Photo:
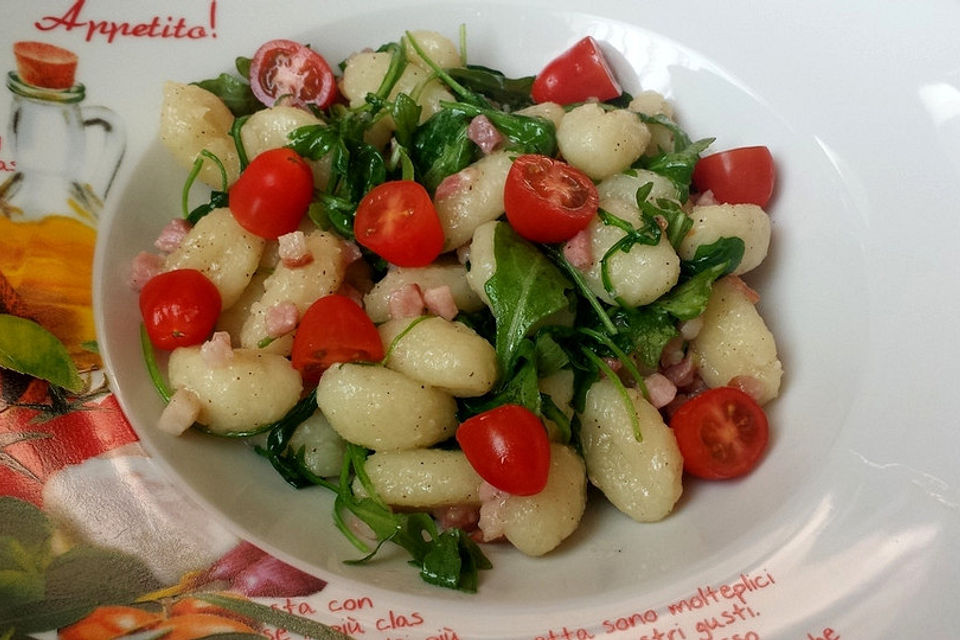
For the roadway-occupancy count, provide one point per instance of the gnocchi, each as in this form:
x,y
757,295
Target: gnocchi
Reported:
x,y
735,341
251,390
384,410
642,478
222,250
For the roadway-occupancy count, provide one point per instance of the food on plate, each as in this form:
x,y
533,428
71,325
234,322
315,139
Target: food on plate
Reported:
x,y
455,298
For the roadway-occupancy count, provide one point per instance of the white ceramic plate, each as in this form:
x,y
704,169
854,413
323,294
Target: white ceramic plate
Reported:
x,y
850,526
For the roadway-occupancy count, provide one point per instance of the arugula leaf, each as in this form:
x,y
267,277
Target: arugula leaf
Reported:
x,y
680,138
441,147
406,117
727,251
524,134
678,165
508,92
447,559
235,93
276,450
678,222
644,331
525,290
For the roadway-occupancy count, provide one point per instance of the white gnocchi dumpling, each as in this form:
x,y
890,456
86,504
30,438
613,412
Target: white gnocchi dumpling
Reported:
x,y
601,143
193,119
471,197
301,285
439,274
748,222
446,355
652,103
436,46
383,409
640,478
322,448
539,523
222,250
547,110
483,259
638,276
559,386
735,341
624,186
365,71
270,129
251,389
422,478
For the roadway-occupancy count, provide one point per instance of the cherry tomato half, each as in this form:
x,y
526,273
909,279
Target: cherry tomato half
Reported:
x,y
547,200
508,447
738,176
179,308
334,329
721,433
287,69
397,221
578,74
272,194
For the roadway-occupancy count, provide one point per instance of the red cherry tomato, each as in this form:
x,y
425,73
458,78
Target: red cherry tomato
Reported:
x,y
721,433
547,200
508,447
334,329
576,75
272,194
397,221
739,176
289,70
179,308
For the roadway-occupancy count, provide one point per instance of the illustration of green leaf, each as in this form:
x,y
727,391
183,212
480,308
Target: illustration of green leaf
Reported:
x,y
30,349
274,617
77,582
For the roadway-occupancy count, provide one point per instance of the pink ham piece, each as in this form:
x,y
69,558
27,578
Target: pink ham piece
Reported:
x,y
172,235
217,352
180,413
293,250
281,319
682,373
706,199
660,389
440,302
458,516
143,267
349,253
578,250
745,289
749,385
491,522
406,302
484,134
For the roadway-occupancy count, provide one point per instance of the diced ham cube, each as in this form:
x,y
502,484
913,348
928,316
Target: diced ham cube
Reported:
x,y
144,266
172,235
180,413
281,319
440,302
293,250
682,373
749,385
578,250
484,134
350,253
217,352
406,302
744,288
660,389
458,516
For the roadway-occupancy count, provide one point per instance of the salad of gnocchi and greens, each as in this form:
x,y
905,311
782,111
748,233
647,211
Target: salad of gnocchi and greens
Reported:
x,y
455,298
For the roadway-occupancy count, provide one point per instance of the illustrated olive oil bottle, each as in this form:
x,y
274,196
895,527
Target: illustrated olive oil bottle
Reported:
x,y
50,205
